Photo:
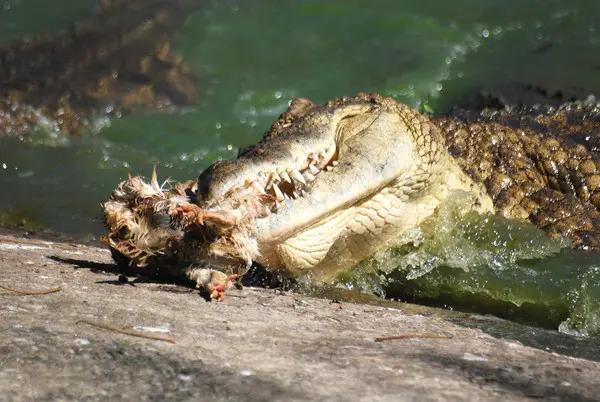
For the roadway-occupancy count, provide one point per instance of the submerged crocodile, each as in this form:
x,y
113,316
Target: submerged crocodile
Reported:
x,y
115,61
330,184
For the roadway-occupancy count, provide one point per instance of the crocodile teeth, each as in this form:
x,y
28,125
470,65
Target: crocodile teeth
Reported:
x,y
309,176
335,163
278,193
329,168
313,169
295,194
274,177
285,176
258,188
323,160
297,176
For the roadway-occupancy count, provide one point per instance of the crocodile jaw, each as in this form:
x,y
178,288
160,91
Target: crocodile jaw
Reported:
x,y
360,186
344,238
344,179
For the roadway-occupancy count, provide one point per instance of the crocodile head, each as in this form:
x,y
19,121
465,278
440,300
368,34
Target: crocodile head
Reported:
x,y
326,186
331,175
308,163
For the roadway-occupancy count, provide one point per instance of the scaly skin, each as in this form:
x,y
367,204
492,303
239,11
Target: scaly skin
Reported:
x,y
378,169
538,164
115,61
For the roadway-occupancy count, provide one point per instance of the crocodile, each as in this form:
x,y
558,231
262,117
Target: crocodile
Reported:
x,y
330,184
115,61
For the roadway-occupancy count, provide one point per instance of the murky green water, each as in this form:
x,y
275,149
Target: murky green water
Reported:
x,y
252,57
488,264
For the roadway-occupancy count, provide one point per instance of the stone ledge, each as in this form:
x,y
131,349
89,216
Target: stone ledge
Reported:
x,y
258,344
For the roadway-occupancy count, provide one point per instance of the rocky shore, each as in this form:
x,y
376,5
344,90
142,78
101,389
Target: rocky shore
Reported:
x,y
72,329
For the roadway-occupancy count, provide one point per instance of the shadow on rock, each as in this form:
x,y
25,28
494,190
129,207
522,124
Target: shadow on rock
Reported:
x,y
123,370
518,380
93,266
256,276
539,338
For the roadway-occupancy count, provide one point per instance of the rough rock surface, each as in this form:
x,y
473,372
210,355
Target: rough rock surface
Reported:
x,y
258,344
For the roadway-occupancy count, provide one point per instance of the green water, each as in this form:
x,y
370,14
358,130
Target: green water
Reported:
x,y
488,264
252,57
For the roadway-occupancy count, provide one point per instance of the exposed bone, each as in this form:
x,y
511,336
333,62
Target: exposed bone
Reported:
x,y
154,180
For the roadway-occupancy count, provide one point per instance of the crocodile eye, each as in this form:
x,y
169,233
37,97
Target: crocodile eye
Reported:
x,y
353,124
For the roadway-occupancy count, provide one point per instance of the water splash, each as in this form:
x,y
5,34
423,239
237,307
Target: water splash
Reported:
x,y
488,264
